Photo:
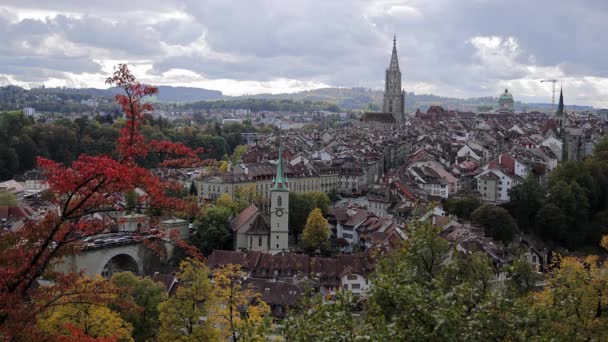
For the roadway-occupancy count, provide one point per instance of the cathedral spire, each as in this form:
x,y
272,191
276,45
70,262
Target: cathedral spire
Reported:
x,y
394,97
394,66
560,106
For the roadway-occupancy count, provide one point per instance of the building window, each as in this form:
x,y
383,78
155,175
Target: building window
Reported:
x,y
352,277
346,286
277,246
260,241
356,286
279,201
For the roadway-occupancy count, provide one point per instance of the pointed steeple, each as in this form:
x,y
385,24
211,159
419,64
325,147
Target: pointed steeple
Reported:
x,y
280,182
394,65
560,106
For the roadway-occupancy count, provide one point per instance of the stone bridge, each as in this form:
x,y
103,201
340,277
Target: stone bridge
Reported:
x,y
106,254
133,257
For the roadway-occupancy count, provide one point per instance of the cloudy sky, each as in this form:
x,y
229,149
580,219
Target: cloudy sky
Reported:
x,y
459,48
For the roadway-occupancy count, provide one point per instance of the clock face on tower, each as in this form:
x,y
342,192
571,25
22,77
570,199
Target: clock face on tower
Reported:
x,y
279,212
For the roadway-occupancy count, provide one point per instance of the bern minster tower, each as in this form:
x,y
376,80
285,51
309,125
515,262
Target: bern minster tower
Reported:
x,y
394,96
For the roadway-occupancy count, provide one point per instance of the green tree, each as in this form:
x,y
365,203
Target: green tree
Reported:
x,y
316,232
344,318
213,230
551,223
321,201
526,199
333,195
26,149
428,292
12,124
9,163
238,153
131,201
462,207
576,172
7,199
573,201
496,221
600,150
524,278
193,190
181,315
147,296
300,207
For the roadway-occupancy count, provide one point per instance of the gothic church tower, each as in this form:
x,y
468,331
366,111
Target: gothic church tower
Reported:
x,y
279,209
394,96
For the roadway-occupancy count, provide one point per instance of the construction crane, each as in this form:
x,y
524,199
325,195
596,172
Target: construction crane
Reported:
x,y
553,93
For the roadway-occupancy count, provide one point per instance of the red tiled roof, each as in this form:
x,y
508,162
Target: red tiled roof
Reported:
x,y
243,216
14,212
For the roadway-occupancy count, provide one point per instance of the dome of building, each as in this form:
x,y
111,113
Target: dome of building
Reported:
x,y
506,96
505,102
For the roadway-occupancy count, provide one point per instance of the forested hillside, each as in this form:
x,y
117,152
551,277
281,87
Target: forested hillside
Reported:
x,y
22,139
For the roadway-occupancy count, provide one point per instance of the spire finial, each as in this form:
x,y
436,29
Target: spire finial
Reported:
x,y
395,41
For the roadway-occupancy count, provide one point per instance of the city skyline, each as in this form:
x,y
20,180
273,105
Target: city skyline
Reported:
x,y
447,48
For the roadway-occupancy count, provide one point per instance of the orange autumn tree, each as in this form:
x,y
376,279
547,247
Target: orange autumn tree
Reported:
x,y
89,185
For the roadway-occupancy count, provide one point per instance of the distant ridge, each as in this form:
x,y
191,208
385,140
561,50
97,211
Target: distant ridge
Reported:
x,y
345,98
361,98
165,93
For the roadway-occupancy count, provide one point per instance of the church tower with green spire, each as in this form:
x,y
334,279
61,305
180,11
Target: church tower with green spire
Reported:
x,y
279,209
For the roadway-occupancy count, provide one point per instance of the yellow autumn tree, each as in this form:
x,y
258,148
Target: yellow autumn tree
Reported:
x,y
574,304
223,166
225,201
90,314
237,309
183,316
94,320
316,233
248,194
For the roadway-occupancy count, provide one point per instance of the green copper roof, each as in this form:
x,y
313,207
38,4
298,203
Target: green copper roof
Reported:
x,y
505,96
280,181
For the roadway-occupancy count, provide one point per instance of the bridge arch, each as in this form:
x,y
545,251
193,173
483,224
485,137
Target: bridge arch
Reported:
x,y
120,261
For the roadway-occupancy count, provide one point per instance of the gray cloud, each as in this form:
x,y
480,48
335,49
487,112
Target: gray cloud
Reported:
x,y
461,48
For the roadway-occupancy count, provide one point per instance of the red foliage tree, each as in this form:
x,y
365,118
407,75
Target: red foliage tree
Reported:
x,y
90,185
